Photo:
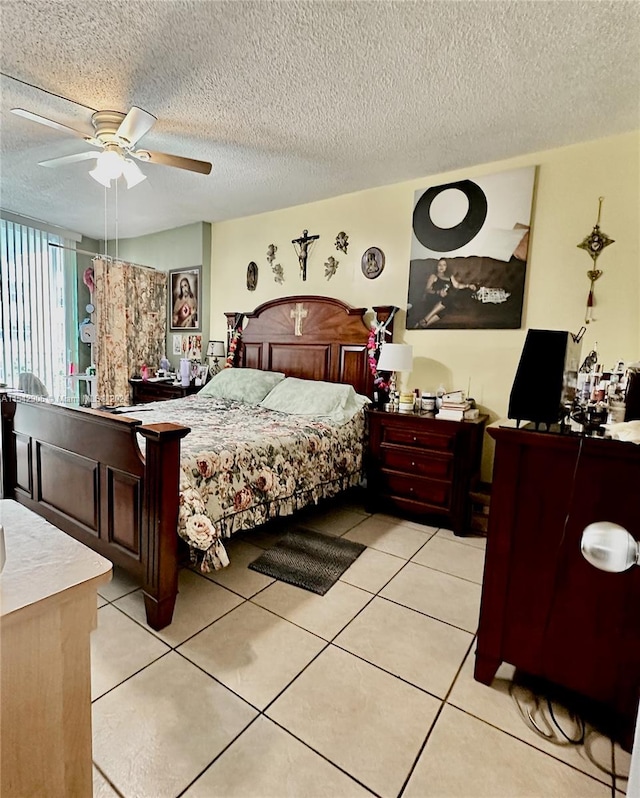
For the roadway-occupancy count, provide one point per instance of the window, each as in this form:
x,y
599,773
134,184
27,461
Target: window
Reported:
x,y
38,307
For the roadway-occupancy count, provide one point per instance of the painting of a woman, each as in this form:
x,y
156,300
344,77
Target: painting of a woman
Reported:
x,y
440,293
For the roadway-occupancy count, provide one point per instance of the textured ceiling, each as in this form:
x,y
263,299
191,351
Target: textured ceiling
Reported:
x,y
298,101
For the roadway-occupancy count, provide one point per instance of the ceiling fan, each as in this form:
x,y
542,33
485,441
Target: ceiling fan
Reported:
x,y
116,135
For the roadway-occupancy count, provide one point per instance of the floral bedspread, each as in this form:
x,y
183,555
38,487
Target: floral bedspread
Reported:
x,y
242,465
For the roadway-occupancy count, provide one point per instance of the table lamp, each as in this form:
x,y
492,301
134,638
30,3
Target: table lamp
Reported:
x,y
394,358
215,351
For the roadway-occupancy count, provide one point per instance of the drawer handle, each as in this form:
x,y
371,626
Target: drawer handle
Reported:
x,y
413,464
414,439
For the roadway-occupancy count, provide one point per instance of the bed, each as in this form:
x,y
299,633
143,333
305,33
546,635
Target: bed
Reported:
x,y
244,464
83,470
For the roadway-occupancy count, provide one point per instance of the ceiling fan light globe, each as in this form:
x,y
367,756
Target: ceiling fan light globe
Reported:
x,y
101,177
132,173
110,163
109,167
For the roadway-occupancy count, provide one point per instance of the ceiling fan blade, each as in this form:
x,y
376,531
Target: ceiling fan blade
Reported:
x,y
203,167
42,120
135,124
80,156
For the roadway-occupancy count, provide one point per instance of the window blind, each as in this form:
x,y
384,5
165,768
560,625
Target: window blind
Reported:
x,y
38,307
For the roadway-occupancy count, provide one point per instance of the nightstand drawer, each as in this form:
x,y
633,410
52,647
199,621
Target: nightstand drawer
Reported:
x,y
423,466
430,491
416,463
145,391
415,436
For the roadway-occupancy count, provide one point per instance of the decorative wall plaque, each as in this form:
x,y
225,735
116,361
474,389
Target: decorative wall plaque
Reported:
x,y
252,276
372,263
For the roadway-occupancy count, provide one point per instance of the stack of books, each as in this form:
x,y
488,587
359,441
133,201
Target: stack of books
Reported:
x,y
456,408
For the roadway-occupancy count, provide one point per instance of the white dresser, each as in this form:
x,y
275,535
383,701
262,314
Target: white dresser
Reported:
x,y
48,605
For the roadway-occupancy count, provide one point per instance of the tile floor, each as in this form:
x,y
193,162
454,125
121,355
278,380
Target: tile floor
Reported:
x,y
261,689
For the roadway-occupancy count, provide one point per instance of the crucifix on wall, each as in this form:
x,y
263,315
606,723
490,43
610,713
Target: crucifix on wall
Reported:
x,y
301,246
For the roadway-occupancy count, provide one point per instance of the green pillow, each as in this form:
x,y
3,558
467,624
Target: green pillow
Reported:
x,y
315,398
243,385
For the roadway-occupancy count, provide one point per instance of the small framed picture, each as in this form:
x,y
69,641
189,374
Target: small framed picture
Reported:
x,y
372,263
192,347
177,344
184,299
201,374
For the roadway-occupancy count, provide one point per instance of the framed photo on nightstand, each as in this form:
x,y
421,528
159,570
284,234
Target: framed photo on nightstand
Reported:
x,y
201,375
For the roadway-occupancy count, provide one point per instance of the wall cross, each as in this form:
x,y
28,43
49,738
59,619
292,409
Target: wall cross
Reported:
x,y
301,246
298,314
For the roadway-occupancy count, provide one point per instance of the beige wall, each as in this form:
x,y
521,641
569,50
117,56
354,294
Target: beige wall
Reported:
x,y
568,183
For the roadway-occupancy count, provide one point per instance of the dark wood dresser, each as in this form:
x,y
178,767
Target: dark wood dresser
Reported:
x,y
424,466
545,609
144,391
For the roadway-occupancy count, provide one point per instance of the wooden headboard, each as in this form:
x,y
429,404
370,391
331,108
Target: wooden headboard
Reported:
x,y
311,337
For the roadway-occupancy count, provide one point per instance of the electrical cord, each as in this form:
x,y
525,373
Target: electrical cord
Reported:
x,y
611,771
538,715
536,718
579,740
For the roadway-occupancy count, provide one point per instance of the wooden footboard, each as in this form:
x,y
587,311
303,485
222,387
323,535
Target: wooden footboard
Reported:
x,y
83,471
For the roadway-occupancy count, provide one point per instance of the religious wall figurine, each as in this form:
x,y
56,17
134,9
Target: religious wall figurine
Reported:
x,y
271,254
252,276
594,243
301,246
299,314
342,242
278,273
330,267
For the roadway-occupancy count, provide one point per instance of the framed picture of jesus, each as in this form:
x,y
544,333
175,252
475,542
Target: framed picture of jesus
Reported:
x,y
184,299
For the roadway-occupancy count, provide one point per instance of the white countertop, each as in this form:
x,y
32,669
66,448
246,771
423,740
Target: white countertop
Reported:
x,y
42,561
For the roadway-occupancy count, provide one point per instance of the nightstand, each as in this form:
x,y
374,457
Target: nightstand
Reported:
x,y
145,391
423,466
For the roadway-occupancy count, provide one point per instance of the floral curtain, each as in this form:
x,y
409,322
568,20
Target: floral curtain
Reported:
x,y
131,324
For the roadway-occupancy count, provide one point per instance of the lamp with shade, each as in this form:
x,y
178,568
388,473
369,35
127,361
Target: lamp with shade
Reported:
x,y
215,351
394,358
